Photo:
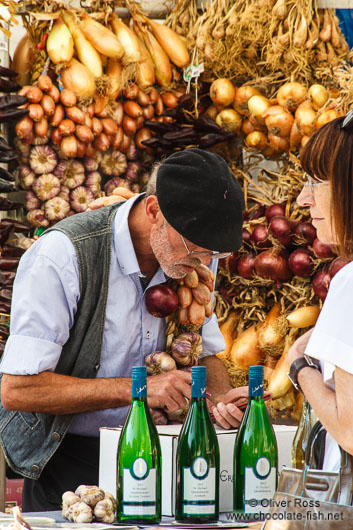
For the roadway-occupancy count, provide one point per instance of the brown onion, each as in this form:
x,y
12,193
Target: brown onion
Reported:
x,y
84,133
131,91
41,127
271,264
117,138
68,146
281,229
125,144
143,98
246,265
81,148
256,139
305,233
318,95
24,127
154,95
56,137
336,265
141,135
132,109
325,117
159,107
305,117
129,125
278,121
48,105
290,95
75,114
97,126
274,210
278,143
259,237
35,111
90,150
101,142
58,116
257,106
320,283
67,127
34,94
321,250
68,98
242,96
247,127
109,126
169,99
54,93
300,263
222,92
161,300
45,83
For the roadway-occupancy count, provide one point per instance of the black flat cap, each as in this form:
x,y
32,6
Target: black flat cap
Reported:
x,y
201,199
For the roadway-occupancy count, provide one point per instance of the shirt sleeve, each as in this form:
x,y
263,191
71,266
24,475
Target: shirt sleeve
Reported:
x,y
44,303
332,338
212,339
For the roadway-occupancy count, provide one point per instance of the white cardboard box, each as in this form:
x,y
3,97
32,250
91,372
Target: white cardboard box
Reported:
x,y
168,435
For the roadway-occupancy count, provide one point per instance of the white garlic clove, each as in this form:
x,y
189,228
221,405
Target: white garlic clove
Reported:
x,y
110,496
80,512
90,494
69,498
104,511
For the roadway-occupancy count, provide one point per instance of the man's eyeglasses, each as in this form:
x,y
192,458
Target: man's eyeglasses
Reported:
x,y
313,183
202,253
348,120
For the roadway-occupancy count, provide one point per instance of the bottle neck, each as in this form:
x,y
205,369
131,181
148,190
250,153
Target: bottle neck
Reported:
x,y
256,387
139,389
198,388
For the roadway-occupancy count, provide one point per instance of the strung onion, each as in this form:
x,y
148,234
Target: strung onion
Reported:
x,y
222,92
60,45
278,121
104,40
242,96
68,146
290,95
79,79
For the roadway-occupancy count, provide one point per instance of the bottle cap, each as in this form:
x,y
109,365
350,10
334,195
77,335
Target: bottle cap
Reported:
x,y
256,371
256,381
139,371
139,382
198,372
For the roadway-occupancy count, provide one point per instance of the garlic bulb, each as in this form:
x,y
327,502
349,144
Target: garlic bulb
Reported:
x,y
159,362
90,494
110,496
93,182
104,511
64,193
80,198
31,201
60,169
80,512
27,177
69,498
46,186
37,218
90,163
187,348
56,209
42,159
74,174
113,163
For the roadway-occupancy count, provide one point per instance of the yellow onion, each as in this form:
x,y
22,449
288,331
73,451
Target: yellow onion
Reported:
x,y
79,79
242,96
257,106
104,40
229,119
279,144
279,383
247,127
114,74
325,117
305,117
318,96
222,92
256,139
246,350
228,330
146,76
86,53
294,137
278,121
272,331
171,43
22,61
303,317
127,39
162,66
60,44
290,95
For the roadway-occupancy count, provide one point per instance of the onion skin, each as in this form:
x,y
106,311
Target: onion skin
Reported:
x,y
222,92
245,350
259,237
290,95
304,233
321,250
246,265
281,230
242,96
274,210
278,121
161,301
321,282
270,264
336,265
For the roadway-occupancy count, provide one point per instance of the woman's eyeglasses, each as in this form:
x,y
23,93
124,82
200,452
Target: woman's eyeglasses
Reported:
x,y
202,253
313,183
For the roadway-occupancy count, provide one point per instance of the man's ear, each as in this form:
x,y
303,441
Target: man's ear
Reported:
x,y
152,209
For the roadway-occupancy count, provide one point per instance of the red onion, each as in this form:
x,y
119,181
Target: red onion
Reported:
x,y
259,237
246,265
305,233
321,282
270,264
161,300
280,228
231,262
336,265
321,250
274,210
300,263
246,236
258,212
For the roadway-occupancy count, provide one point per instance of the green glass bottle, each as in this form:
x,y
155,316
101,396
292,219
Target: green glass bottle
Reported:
x,y
139,459
307,420
197,497
255,452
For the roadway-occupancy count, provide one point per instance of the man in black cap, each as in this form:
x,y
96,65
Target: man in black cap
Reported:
x,y
79,321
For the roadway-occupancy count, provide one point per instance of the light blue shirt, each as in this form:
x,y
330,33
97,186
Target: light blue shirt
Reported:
x,y
45,296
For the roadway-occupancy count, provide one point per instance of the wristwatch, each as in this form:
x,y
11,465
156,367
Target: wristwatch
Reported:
x,y
299,364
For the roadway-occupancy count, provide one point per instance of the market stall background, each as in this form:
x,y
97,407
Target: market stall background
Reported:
x,y
263,77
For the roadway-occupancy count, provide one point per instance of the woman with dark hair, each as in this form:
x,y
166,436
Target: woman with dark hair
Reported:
x,y
327,160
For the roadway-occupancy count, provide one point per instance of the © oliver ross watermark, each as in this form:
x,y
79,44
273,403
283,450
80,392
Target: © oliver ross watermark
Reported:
x,y
291,510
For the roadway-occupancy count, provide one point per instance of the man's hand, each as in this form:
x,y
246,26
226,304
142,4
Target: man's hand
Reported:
x,y
168,391
298,348
226,413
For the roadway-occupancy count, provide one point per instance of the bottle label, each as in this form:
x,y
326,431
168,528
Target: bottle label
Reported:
x,y
199,485
139,486
260,486
139,388
198,388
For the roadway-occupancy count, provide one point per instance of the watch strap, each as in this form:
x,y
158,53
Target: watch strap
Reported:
x,y
299,364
